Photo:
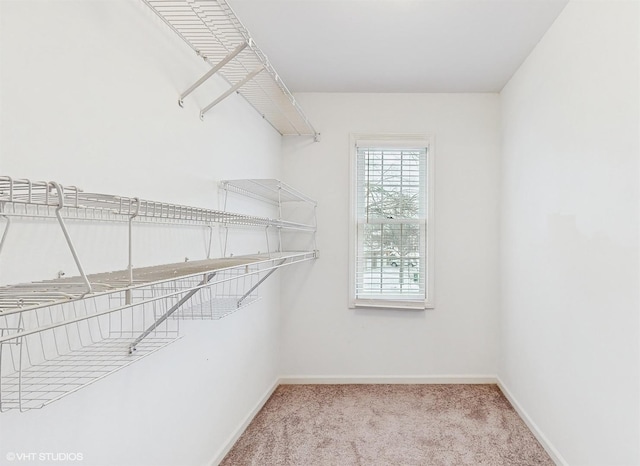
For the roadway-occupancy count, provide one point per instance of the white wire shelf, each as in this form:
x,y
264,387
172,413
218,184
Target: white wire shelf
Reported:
x,y
280,195
214,32
50,352
57,336
52,379
267,190
53,348
26,296
26,198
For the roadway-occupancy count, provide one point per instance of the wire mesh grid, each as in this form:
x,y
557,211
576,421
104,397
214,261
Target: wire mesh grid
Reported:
x,y
57,336
49,352
41,199
59,349
213,30
209,296
237,289
267,190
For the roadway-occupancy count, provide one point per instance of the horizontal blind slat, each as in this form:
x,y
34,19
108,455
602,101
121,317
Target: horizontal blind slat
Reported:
x,y
391,216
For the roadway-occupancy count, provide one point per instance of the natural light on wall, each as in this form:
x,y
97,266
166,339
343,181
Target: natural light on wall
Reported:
x,y
391,237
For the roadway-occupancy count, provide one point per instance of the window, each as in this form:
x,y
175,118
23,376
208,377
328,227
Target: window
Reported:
x,y
391,240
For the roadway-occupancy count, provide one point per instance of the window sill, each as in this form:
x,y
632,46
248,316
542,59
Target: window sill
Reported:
x,y
391,304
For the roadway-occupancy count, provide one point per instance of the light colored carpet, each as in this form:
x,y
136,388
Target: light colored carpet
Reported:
x,y
407,425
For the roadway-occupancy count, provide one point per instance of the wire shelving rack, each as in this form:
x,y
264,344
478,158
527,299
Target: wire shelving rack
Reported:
x,y
214,32
279,194
57,336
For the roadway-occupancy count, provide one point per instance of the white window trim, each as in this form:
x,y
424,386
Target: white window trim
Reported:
x,y
382,140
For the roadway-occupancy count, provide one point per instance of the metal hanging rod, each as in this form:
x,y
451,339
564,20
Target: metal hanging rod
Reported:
x,y
214,32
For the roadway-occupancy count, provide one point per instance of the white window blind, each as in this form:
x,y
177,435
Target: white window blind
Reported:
x,y
391,263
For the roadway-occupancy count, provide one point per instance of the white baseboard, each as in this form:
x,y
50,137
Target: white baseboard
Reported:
x,y
217,459
544,441
389,379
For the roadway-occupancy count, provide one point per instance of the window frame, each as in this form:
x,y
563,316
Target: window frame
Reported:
x,y
392,140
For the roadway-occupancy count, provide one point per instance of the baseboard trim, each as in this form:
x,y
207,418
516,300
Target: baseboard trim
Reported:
x,y
389,379
217,459
544,441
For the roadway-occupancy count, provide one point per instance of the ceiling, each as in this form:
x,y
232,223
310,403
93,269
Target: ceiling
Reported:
x,y
397,45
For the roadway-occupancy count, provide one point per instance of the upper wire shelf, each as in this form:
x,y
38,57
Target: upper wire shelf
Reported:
x,y
268,190
278,194
21,197
214,32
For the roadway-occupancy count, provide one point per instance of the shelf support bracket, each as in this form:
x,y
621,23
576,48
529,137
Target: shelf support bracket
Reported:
x,y
233,89
174,308
266,234
67,237
244,296
210,228
6,230
212,71
128,297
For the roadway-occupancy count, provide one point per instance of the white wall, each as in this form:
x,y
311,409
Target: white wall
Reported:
x,y
321,336
569,234
88,95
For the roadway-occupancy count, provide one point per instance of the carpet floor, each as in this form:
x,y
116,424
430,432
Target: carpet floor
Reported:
x,y
407,425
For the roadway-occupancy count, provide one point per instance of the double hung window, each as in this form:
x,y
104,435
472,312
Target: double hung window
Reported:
x,y
392,222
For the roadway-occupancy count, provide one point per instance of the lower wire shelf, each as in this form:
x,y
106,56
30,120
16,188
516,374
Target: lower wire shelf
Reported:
x,y
52,348
44,383
50,352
